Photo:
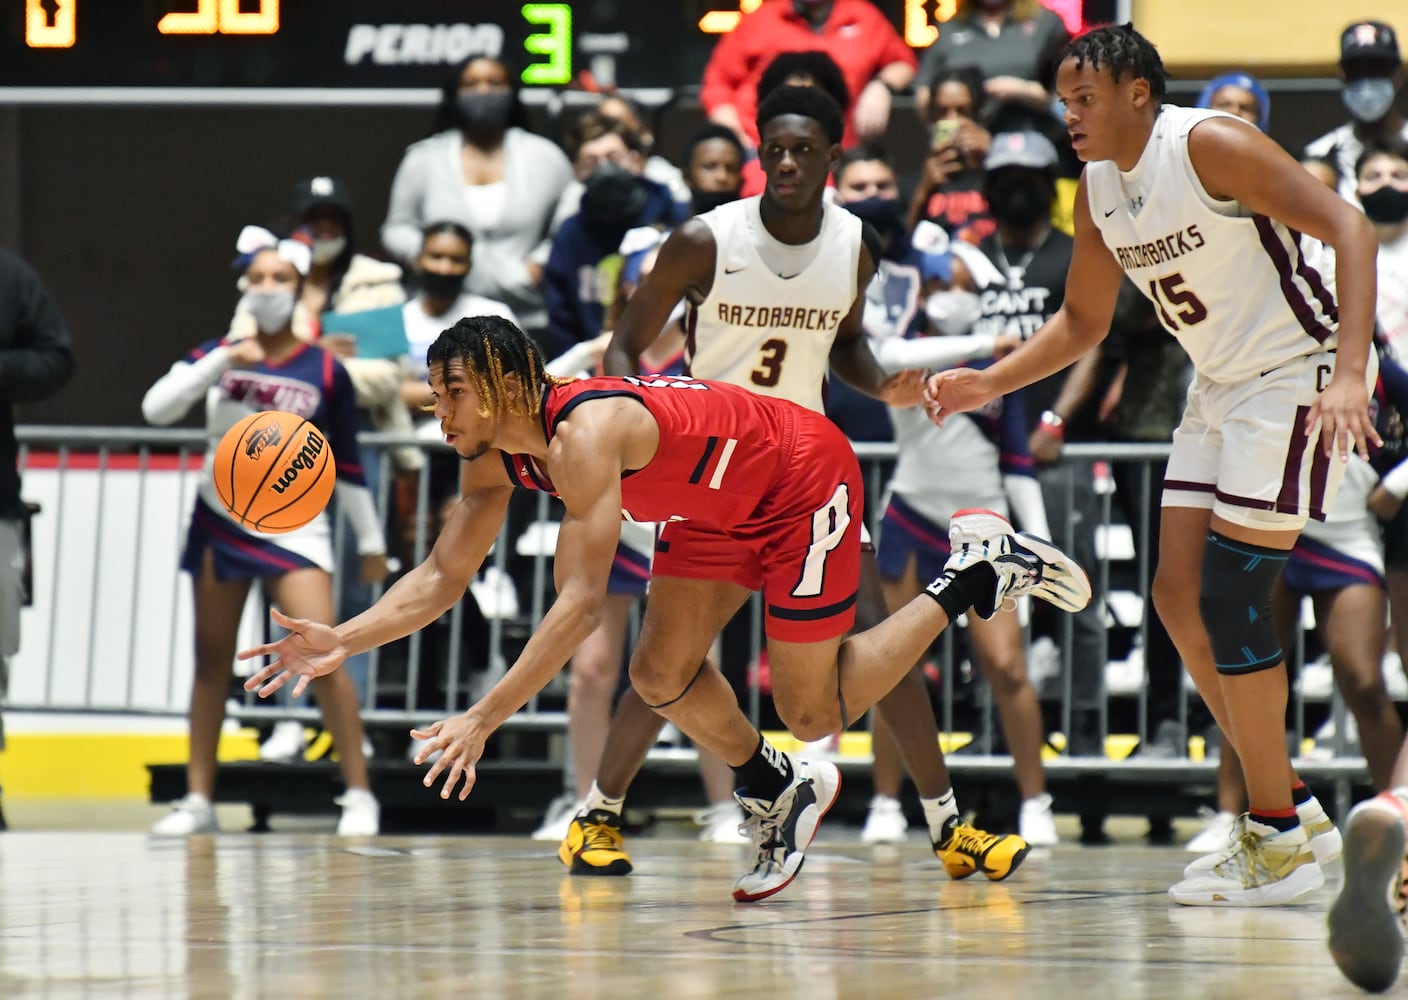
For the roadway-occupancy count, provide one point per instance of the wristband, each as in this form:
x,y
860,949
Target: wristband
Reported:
x,y
1053,423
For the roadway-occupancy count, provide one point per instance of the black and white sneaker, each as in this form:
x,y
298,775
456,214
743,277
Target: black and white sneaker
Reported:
x,y
783,828
1024,563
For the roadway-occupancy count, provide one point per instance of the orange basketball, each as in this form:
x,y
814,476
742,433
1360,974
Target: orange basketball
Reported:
x,y
274,472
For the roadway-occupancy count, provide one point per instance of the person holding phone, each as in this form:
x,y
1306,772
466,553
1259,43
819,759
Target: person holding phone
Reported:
x,y
950,190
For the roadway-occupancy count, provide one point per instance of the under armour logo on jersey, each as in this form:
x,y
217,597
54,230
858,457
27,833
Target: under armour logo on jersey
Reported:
x,y
1136,203
321,186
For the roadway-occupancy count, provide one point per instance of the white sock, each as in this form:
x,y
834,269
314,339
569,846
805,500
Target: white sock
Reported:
x,y
938,812
596,799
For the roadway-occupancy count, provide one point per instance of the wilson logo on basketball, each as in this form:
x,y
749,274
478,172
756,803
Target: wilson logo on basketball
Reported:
x,y
264,437
305,459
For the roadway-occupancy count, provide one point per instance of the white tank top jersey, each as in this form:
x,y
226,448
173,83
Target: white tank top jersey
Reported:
x,y
765,331
1242,293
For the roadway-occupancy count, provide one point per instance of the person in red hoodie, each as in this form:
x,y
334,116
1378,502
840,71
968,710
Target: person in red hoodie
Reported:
x,y
873,58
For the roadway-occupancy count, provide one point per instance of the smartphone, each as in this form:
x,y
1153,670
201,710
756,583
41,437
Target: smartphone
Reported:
x,y
945,130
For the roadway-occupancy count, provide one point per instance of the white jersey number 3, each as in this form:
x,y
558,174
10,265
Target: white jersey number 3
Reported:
x,y
829,526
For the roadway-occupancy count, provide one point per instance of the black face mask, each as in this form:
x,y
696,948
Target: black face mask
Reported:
x,y
706,201
1387,205
485,111
437,285
612,200
1021,203
886,215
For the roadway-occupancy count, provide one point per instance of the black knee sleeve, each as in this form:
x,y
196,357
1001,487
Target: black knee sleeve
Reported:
x,y
1235,601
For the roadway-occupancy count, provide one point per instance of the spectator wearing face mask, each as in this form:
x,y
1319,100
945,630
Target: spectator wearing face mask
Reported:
x,y
1381,185
485,171
586,256
617,108
1372,69
1239,94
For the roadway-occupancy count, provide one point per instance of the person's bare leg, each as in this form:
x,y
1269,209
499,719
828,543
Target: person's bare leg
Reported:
x,y
905,724
1350,621
998,645
218,607
595,670
672,676
1177,580
1231,789
307,593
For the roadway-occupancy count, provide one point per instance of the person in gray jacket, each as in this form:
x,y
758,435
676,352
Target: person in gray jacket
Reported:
x,y
483,170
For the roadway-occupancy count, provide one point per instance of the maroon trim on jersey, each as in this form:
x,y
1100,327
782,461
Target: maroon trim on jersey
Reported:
x,y
1252,503
812,614
1315,281
1304,312
1319,479
1288,500
1189,487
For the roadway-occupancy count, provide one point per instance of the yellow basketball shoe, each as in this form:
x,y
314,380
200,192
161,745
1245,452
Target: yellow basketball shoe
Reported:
x,y
594,845
1366,921
967,850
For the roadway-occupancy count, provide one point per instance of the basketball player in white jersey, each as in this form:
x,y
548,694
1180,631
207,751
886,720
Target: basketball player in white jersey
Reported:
x,y
775,291
1224,232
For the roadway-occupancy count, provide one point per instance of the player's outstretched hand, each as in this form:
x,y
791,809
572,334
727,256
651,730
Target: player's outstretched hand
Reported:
x,y
1342,410
460,742
957,390
309,650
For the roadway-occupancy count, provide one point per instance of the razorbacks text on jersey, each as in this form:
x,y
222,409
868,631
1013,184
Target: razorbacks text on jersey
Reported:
x,y
768,332
1242,292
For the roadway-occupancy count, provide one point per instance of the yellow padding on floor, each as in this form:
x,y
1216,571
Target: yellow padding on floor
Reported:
x,y
99,765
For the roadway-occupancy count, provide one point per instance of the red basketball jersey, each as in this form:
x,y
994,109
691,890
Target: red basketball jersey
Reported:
x,y
723,449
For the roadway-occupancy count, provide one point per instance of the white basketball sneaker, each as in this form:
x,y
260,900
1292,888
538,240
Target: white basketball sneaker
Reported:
x,y
1266,868
188,816
1024,563
783,828
1325,840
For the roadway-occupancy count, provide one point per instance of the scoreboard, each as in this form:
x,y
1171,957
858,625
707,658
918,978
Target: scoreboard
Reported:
x,y
377,43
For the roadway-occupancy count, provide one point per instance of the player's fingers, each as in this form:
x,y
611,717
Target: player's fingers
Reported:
x,y
253,651
258,677
451,780
436,766
469,778
285,620
428,733
274,684
302,685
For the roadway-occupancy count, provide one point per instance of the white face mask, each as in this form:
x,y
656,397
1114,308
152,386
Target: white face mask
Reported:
x,y
1369,99
327,251
953,312
271,310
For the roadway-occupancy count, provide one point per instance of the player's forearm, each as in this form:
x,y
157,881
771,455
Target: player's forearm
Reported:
x,y
571,619
853,360
1058,343
1356,287
411,603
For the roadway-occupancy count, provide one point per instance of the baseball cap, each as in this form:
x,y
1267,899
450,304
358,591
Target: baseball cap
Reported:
x,y
1021,149
1369,40
311,192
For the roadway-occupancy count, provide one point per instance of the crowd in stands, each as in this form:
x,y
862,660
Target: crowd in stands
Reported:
x,y
554,232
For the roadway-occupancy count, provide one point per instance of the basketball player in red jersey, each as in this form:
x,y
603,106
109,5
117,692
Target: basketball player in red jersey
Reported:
x,y
775,293
670,449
